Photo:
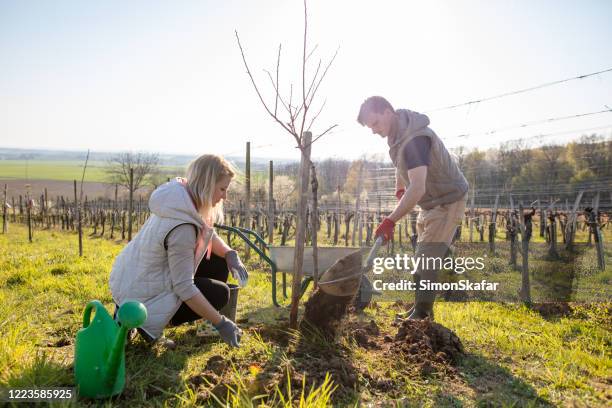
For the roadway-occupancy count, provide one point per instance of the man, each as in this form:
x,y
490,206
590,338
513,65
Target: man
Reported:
x,y
426,175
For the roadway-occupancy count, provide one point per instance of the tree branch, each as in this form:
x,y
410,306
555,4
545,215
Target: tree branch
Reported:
x,y
259,94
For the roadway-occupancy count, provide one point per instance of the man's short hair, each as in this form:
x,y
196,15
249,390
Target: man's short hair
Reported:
x,y
376,104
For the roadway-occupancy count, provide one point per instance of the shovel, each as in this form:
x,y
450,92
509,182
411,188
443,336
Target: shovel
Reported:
x,y
343,278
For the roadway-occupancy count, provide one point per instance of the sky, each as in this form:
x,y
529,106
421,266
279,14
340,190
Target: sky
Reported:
x,y
168,77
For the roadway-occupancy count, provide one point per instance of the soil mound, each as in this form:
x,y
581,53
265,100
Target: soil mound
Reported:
x,y
429,344
324,312
552,309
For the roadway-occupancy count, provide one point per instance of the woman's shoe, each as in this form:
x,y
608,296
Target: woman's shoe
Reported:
x,y
206,329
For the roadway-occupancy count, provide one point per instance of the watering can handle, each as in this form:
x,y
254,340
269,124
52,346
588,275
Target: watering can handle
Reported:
x,y
87,313
377,244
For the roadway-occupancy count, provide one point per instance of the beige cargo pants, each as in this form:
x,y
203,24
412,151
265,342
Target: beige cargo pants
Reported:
x,y
436,229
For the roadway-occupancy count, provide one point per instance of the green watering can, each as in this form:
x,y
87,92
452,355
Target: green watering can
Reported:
x,y
99,358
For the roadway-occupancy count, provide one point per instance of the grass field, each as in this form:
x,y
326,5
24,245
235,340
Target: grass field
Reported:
x,y
68,170
51,170
514,355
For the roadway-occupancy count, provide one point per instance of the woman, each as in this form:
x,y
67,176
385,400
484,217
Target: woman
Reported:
x,y
177,265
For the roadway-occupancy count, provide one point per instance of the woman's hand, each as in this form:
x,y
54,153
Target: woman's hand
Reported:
x,y
236,267
229,332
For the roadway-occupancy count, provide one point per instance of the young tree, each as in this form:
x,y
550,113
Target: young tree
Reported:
x,y
297,119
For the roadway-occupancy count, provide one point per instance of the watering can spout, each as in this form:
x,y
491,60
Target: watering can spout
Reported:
x,y
131,315
99,360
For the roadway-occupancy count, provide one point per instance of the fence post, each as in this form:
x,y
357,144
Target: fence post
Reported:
x,y
525,229
271,215
493,226
314,215
298,258
570,227
247,176
131,205
594,227
4,212
472,215
512,230
77,209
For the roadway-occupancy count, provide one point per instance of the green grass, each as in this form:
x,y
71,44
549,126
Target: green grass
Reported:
x,y
51,170
515,357
62,170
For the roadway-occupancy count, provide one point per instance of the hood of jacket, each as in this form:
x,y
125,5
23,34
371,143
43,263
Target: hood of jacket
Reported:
x,y
409,124
172,200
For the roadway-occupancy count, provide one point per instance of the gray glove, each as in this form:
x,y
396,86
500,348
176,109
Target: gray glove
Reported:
x,y
237,268
229,332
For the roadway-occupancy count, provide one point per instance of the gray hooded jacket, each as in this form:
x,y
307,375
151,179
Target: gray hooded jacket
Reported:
x,y
142,270
445,182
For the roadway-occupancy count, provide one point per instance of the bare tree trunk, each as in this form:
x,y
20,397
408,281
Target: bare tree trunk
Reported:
x,y
298,258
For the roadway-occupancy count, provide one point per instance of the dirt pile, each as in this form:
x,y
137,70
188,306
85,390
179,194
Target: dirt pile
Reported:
x,y
324,312
552,309
326,308
361,335
428,344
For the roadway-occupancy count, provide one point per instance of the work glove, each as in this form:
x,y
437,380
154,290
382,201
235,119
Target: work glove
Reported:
x,y
236,267
400,193
385,230
229,332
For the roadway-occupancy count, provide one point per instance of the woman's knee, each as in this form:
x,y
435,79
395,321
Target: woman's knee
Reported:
x,y
219,294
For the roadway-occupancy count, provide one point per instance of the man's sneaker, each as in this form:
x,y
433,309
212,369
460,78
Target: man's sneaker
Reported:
x,y
206,329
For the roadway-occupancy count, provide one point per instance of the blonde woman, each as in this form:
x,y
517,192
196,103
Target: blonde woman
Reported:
x,y
177,266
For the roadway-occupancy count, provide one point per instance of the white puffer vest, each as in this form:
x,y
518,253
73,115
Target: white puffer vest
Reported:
x,y
141,271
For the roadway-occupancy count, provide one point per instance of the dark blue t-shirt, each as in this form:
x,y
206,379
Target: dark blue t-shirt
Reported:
x,y
416,152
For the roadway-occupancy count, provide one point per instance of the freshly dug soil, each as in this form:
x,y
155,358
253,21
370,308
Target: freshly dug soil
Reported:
x,y
552,309
324,312
427,343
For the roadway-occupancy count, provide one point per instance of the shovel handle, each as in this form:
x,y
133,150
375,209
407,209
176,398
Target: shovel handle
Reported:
x,y
377,244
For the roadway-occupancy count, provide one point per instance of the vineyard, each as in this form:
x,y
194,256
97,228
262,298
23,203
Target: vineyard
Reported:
x,y
543,339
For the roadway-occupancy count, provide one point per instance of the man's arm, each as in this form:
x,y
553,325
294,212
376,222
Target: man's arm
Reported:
x,y
399,183
413,194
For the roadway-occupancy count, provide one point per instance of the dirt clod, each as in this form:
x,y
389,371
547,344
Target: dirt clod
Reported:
x,y
216,364
372,328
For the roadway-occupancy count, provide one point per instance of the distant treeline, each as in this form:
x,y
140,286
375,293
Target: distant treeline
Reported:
x,y
547,170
